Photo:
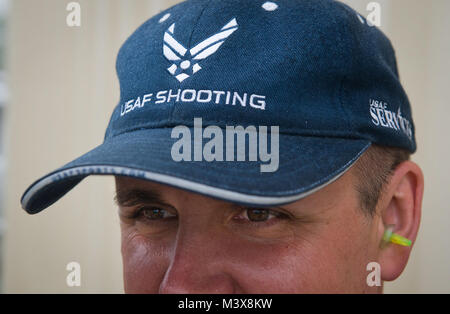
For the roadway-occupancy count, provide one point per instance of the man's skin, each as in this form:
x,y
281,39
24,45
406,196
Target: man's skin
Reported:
x,y
320,244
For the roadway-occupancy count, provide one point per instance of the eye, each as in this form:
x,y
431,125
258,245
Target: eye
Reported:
x,y
260,214
257,215
155,213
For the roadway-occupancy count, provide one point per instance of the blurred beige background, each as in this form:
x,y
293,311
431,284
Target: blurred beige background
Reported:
x,y
63,88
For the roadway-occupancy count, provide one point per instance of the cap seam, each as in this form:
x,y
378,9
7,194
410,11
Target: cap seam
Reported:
x,y
174,104
342,89
331,133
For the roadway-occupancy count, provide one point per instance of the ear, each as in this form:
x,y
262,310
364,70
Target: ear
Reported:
x,y
401,205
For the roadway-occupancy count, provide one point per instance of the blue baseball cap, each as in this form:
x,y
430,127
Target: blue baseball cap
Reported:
x,y
316,70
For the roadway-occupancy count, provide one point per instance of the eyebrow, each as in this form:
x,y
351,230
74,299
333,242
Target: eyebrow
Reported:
x,y
135,196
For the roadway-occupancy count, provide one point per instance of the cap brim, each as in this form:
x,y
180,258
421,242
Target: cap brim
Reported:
x,y
306,164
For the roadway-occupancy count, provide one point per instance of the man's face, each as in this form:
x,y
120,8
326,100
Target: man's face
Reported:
x,y
175,241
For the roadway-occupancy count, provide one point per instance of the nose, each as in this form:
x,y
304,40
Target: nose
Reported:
x,y
198,266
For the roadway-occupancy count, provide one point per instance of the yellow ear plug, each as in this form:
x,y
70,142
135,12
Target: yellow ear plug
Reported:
x,y
390,237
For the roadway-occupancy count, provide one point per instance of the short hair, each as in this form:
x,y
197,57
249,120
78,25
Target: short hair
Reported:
x,y
373,171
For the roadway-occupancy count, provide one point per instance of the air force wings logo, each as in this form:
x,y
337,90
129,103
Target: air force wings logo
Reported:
x,y
186,63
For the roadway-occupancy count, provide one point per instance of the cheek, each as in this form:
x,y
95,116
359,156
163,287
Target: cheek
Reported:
x,y
270,268
338,268
295,267
339,258
331,261
144,263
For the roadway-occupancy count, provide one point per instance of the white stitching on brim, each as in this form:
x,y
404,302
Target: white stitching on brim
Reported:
x,y
180,183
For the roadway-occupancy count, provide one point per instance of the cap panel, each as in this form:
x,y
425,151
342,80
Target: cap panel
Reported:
x,y
281,67
142,68
372,94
